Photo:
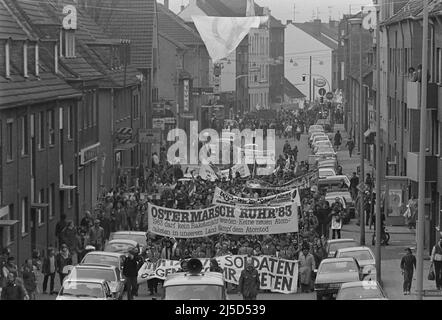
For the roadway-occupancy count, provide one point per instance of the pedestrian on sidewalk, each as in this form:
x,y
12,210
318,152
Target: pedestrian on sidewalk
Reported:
x,y
130,271
354,182
337,140
63,259
436,260
336,224
48,269
408,263
29,279
306,267
350,145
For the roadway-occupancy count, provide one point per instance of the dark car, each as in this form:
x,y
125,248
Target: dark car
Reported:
x,y
332,273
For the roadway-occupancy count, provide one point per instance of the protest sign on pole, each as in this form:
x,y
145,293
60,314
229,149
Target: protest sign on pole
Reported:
x,y
222,197
228,219
276,275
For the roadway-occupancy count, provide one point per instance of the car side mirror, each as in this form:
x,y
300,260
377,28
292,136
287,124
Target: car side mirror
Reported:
x,y
67,269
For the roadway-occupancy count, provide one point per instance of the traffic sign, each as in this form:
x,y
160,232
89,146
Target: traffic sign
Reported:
x,y
329,95
320,82
322,92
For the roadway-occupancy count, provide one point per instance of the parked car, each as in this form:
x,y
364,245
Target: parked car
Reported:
x,y
361,290
315,134
332,273
325,123
322,144
315,128
334,183
328,163
121,245
85,289
318,138
326,172
365,258
333,245
99,271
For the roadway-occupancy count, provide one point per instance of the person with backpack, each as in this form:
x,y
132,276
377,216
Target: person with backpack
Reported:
x,y
436,261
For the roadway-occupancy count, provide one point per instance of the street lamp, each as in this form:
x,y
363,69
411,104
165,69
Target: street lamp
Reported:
x,y
358,21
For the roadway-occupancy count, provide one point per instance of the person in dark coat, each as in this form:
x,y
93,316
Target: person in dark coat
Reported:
x,y
59,227
29,279
63,259
13,291
249,281
408,263
337,140
130,272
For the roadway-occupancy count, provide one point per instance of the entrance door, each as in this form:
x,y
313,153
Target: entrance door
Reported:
x,y
33,228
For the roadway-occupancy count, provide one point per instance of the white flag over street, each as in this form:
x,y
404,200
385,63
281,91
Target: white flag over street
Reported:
x,y
369,21
222,35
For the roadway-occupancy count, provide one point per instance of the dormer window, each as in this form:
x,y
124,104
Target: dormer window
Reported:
x,y
67,43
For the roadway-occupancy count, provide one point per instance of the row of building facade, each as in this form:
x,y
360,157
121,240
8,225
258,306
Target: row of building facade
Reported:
x,y
400,46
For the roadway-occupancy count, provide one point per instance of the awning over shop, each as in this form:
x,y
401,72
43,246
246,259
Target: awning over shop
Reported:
x,y
126,146
8,223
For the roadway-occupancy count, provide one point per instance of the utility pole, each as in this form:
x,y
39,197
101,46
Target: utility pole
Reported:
x,y
361,139
421,161
310,79
378,148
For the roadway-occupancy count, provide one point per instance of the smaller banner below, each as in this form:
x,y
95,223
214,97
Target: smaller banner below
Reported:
x,y
276,275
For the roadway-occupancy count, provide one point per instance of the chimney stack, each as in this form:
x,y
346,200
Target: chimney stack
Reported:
x,y
166,4
317,27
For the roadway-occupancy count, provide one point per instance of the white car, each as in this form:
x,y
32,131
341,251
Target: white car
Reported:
x,y
315,127
325,150
315,134
361,290
365,258
137,236
322,144
85,289
326,172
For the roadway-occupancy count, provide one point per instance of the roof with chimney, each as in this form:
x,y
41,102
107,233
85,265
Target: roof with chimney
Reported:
x,y
18,90
133,20
323,32
413,10
291,91
176,28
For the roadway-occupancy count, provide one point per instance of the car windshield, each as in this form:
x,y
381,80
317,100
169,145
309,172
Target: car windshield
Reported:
x,y
82,289
326,173
194,292
339,245
141,239
321,138
92,273
357,254
101,259
118,247
362,292
338,267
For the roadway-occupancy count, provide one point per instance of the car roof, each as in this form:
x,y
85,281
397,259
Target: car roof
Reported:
x,y
333,260
355,284
361,248
106,253
182,278
139,233
94,266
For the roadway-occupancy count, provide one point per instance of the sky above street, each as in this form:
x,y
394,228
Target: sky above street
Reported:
x,y
305,10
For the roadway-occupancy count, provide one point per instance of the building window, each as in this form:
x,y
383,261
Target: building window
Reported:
x,y
51,200
51,125
41,199
71,192
9,139
67,39
24,135
70,123
41,131
24,216
11,229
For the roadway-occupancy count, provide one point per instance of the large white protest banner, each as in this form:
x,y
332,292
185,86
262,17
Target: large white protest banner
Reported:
x,y
222,197
229,219
276,275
